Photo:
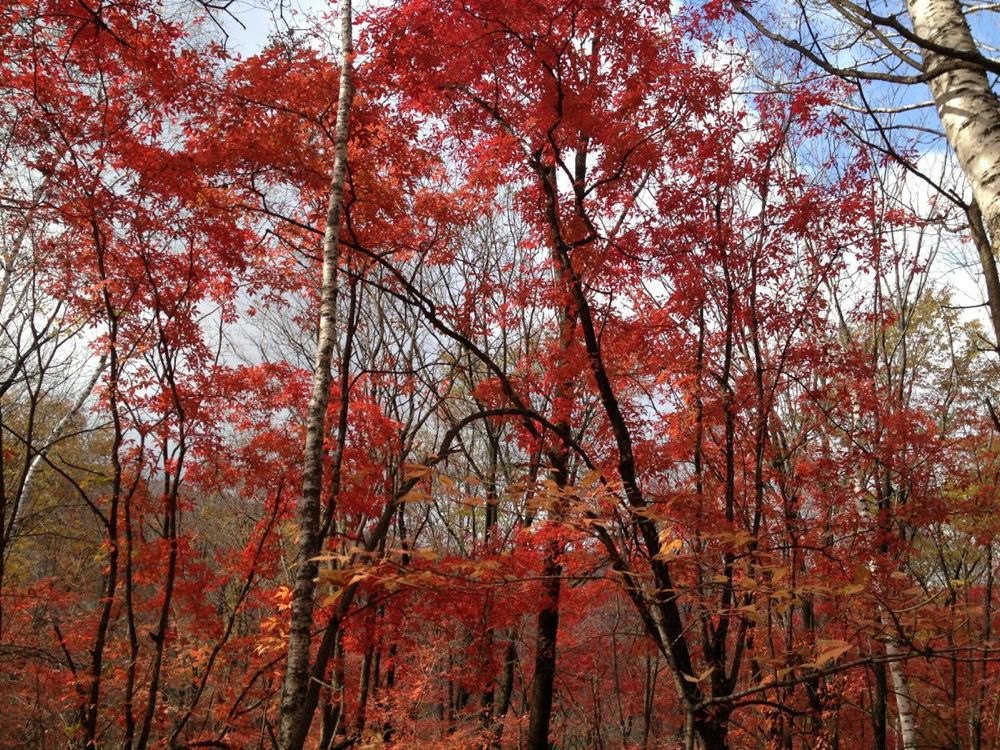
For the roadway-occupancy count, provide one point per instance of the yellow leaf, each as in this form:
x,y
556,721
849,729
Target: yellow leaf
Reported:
x,y
333,576
831,651
672,547
415,471
416,495
700,678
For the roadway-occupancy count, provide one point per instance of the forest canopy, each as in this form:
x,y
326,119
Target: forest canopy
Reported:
x,y
499,373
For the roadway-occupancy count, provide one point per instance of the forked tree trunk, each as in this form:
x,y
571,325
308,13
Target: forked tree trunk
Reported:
x,y
310,542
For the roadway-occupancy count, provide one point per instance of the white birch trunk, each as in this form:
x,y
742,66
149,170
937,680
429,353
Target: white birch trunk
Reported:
x,y
296,680
970,115
904,703
969,110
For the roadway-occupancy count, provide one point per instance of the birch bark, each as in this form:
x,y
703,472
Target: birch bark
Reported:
x,y
904,703
967,105
970,115
310,541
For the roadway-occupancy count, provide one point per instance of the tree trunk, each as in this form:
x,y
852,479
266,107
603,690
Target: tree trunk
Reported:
x,y
879,708
297,668
334,721
502,703
904,704
543,683
969,110
363,691
713,729
988,262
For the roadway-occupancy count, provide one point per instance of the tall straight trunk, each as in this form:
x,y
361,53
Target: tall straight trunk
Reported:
x,y
547,630
310,541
